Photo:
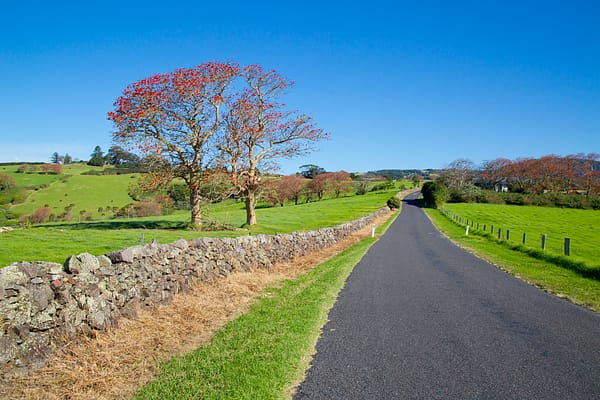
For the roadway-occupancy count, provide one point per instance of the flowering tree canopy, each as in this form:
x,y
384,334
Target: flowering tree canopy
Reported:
x,y
198,122
173,116
258,130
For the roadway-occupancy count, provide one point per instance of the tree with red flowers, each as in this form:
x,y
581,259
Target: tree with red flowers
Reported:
x,y
495,172
589,177
339,182
319,185
172,118
259,130
293,186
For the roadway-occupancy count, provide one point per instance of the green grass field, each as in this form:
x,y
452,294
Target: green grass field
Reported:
x,y
30,180
553,278
581,226
55,242
87,193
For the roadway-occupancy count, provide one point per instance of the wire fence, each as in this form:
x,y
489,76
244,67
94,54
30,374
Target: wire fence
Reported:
x,y
504,234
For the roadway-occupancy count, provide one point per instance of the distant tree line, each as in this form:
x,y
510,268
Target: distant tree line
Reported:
x,y
116,156
52,169
579,173
59,159
564,181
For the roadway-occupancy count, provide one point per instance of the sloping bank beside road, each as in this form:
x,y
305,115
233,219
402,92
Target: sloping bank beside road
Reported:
x,y
41,302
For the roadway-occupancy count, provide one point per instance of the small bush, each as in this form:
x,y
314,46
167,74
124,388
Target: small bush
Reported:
x,y
468,194
362,188
180,194
147,209
434,193
41,215
7,182
393,202
387,185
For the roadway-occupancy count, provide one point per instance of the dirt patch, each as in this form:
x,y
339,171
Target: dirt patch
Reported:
x,y
113,364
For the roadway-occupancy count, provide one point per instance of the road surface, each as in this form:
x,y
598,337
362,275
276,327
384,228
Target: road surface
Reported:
x,y
420,318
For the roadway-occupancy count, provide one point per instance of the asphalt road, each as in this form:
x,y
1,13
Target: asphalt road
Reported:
x,y
420,318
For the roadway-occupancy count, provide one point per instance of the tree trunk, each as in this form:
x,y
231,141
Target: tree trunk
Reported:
x,y
195,207
250,210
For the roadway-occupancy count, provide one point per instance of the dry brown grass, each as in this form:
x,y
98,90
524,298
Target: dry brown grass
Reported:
x,y
113,364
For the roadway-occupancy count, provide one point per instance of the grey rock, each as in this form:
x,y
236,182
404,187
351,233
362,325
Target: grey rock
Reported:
x,y
104,262
8,350
83,263
124,255
41,296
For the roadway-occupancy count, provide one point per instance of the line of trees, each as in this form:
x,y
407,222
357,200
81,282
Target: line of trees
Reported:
x,y
579,173
292,188
116,156
213,120
60,159
572,180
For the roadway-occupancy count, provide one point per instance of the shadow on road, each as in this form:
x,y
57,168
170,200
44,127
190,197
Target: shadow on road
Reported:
x,y
413,202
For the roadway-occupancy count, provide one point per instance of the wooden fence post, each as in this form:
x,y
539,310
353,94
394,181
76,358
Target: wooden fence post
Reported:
x,y
499,233
567,246
508,234
524,237
543,242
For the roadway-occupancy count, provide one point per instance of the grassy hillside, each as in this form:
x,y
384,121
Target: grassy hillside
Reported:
x,y
581,226
30,181
55,242
87,193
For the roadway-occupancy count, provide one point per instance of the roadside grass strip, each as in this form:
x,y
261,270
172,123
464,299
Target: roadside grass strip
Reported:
x,y
570,279
264,353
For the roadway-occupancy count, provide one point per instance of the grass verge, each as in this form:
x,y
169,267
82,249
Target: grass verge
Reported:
x,y
261,354
558,280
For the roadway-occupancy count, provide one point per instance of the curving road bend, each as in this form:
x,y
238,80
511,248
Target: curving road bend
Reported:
x,y
420,318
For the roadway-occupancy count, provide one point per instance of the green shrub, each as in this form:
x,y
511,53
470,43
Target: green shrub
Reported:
x,y
394,202
362,188
435,194
180,195
387,185
467,194
41,215
7,182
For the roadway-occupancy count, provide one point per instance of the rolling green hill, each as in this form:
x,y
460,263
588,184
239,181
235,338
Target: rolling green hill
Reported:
x,y
86,192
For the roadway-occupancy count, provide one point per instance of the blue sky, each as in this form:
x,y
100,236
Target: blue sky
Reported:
x,y
398,84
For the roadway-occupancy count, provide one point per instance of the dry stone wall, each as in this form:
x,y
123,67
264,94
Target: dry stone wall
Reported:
x,y
42,304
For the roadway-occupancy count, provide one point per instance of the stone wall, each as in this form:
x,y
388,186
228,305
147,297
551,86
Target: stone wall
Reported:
x,y
42,303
